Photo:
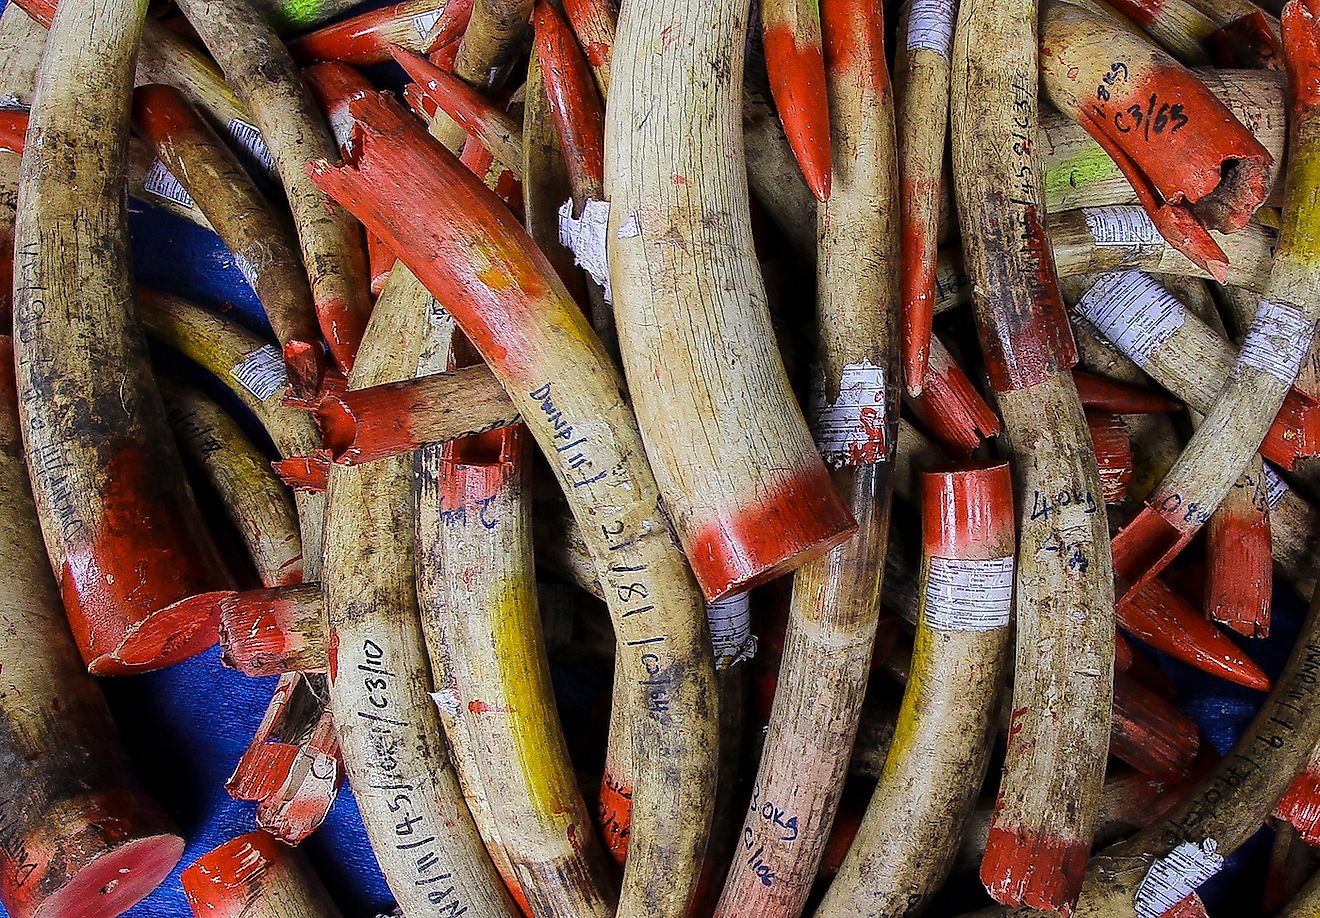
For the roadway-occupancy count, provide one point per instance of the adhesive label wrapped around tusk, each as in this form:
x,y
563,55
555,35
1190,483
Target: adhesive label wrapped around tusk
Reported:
x,y
161,182
249,138
424,22
851,429
245,268
731,630
1277,341
1175,876
1121,226
1275,487
930,26
969,594
1133,312
261,372
585,238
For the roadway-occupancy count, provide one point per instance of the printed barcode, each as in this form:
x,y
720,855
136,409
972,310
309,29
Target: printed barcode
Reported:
x,y
968,594
1275,487
1175,876
261,372
424,22
731,629
249,138
1133,312
161,182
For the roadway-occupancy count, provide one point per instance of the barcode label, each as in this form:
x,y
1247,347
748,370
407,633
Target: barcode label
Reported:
x,y
731,630
245,268
585,238
1175,876
1133,312
851,429
261,372
968,595
1278,341
249,138
1275,487
1121,226
161,182
930,26
424,22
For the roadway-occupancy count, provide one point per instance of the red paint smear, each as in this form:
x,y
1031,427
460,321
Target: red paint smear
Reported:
x,y
126,586
363,40
593,25
102,836
263,768
1149,733
412,192
797,82
1121,398
449,28
1240,584
332,654
1113,454
967,511
1145,547
477,115
1300,806
1142,12
1190,906
371,423
342,325
949,407
258,630
1164,620
1302,56
919,215
381,260
8,382
598,53
853,35
335,85
1295,433
13,129
757,540
575,104
224,882
43,11
1021,867
303,473
615,812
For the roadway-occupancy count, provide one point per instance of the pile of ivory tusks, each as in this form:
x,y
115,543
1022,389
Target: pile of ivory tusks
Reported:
x,y
639,338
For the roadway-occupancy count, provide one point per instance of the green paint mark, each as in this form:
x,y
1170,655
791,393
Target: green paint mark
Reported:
x,y
1078,170
301,13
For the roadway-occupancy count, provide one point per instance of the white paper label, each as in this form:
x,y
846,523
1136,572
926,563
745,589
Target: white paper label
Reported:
x,y
851,429
1175,876
245,268
585,238
447,701
161,182
969,595
1275,487
731,630
1121,226
261,372
631,228
424,22
249,138
1133,312
930,26
1277,341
